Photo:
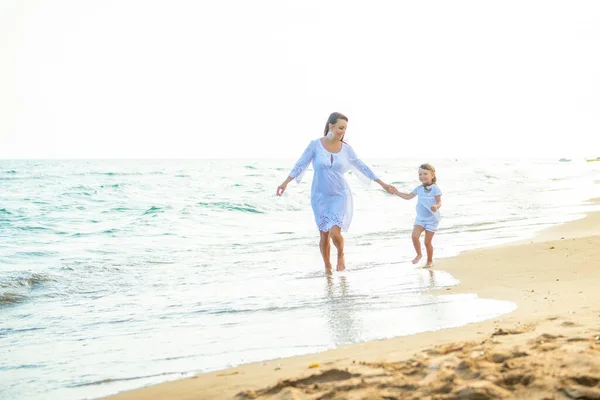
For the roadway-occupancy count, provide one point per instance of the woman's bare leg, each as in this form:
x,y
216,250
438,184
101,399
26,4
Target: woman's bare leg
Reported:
x,y
416,235
338,241
429,248
325,247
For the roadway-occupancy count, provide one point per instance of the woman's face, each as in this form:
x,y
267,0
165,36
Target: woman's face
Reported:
x,y
338,129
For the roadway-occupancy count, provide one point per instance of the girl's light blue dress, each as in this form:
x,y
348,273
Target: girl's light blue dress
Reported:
x,y
331,197
425,217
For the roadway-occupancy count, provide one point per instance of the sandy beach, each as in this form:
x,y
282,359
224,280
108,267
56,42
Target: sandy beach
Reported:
x,y
548,348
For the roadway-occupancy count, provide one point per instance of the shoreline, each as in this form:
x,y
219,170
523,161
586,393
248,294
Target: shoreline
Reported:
x,y
550,276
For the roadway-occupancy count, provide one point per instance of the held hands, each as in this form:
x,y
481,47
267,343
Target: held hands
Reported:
x,y
434,208
389,188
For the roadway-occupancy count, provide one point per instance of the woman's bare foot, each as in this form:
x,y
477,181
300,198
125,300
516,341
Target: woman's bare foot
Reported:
x,y
329,270
417,258
429,264
341,264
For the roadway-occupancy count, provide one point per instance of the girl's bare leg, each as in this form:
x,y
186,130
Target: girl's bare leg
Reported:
x,y
429,248
325,247
338,241
416,234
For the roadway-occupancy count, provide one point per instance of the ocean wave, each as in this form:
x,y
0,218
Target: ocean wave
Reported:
x,y
115,209
155,210
231,310
22,366
13,331
81,187
82,193
112,380
29,228
227,206
25,280
11,298
114,173
27,254
81,234
481,226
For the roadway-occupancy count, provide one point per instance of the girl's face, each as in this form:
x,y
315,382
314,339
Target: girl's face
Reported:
x,y
426,176
338,129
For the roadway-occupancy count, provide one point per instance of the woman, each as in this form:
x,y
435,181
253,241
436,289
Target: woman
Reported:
x,y
331,197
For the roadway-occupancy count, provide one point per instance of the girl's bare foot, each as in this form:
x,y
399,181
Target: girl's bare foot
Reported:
x,y
417,258
329,270
429,264
341,264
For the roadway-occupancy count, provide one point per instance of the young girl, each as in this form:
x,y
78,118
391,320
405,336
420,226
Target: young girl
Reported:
x,y
428,215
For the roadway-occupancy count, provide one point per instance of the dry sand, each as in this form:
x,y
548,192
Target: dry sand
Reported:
x,y
549,348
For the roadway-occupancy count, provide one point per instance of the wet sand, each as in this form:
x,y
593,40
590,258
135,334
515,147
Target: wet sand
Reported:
x,y
548,348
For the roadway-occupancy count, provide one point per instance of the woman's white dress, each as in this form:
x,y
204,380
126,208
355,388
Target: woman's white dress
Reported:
x,y
331,197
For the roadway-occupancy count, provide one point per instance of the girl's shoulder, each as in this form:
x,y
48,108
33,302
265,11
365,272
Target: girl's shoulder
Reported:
x,y
422,190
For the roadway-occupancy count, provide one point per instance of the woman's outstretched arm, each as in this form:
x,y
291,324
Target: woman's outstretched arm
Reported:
x,y
362,168
299,169
281,188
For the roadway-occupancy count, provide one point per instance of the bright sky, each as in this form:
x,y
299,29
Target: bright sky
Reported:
x,y
240,78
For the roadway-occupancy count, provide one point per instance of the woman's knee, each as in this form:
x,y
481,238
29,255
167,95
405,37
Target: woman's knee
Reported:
x,y
336,234
325,237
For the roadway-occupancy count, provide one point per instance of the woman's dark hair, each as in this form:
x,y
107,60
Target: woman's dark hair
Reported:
x,y
429,167
333,118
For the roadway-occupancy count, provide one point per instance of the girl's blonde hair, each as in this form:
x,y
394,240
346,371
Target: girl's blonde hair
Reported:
x,y
429,167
